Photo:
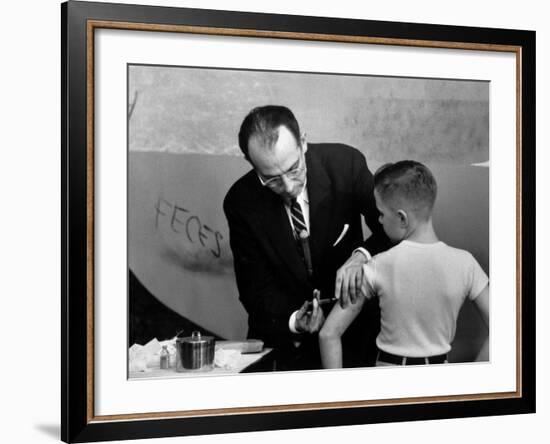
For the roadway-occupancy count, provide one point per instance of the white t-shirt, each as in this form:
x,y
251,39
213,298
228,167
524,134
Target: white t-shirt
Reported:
x,y
421,288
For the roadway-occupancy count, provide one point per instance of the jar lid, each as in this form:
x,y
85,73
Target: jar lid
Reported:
x,y
196,337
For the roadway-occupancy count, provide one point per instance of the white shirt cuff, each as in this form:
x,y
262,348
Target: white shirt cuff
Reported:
x,y
292,322
364,251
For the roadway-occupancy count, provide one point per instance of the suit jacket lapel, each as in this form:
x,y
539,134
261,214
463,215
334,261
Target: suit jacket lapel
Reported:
x,y
320,204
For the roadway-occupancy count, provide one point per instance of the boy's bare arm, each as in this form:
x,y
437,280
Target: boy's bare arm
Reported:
x,y
482,304
336,324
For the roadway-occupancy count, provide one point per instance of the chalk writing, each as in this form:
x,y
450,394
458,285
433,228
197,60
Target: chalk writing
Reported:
x,y
131,106
183,221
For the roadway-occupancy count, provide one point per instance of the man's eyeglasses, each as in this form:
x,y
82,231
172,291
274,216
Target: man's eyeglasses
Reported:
x,y
292,174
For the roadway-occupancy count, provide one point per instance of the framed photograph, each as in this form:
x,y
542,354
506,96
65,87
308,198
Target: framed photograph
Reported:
x,y
203,279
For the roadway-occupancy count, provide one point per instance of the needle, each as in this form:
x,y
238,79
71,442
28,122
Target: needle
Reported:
x,y
321,302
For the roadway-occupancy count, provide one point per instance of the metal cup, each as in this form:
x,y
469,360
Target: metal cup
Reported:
x,y
195,353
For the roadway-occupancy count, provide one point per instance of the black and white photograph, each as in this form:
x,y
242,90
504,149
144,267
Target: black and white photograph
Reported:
x,y
301,221
279,222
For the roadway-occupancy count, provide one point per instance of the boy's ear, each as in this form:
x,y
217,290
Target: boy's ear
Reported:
x,y
403,218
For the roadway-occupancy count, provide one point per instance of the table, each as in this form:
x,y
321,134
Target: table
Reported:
x,y
247,362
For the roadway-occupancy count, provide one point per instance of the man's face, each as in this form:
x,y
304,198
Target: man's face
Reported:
x,y
280,167
390,220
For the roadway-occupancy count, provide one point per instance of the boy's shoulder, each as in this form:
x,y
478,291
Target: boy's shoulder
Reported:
x,y
437,249
459,253
389,255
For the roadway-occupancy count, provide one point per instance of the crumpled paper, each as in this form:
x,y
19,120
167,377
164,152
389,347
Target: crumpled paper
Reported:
x,y
226,358
144,358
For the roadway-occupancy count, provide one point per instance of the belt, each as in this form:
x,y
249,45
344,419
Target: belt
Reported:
x,y
404,360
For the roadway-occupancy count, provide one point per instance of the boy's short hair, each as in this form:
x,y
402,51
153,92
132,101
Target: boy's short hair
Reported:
x,y
411,182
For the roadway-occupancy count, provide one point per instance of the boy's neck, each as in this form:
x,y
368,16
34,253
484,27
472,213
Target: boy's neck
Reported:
x,y
422,232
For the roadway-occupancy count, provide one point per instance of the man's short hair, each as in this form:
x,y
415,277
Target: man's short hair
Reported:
x,y
264,121
408,181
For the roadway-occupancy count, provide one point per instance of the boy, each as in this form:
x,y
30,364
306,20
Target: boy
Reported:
x,y
421,282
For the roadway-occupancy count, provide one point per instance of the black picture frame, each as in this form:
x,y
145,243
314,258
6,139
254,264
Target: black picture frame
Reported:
x,y
79,19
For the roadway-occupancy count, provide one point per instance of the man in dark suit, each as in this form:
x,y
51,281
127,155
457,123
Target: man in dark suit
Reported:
x,y
314,190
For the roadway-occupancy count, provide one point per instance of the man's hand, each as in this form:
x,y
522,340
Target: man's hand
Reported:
x,y
310,322
349,279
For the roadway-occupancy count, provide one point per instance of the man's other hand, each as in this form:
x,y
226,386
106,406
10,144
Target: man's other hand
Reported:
x,y
349,279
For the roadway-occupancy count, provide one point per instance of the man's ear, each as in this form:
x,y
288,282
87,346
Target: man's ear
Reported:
x,y
303,142
403,218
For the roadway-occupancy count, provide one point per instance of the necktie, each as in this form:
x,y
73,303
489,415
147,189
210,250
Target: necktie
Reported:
x,y
299,224
297,218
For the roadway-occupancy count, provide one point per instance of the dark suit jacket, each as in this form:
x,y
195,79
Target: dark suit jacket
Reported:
x,y
272,278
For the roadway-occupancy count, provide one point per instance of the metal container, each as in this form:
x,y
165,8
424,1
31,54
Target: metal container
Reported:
x,y
195,352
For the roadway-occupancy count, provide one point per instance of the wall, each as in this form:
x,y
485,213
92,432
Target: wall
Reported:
x,y
30,234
